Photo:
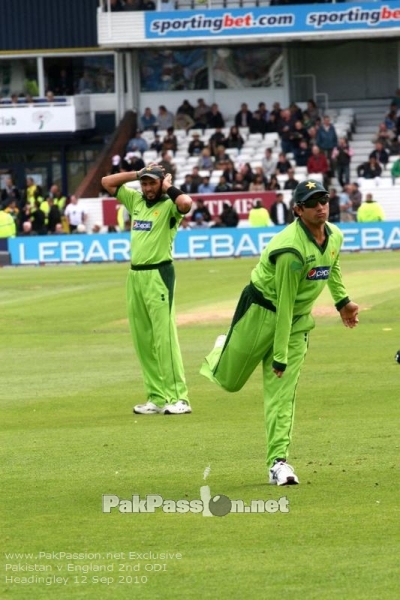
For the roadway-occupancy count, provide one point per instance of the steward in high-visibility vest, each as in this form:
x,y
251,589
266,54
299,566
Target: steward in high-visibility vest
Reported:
x,y
259,216
370,211
7,225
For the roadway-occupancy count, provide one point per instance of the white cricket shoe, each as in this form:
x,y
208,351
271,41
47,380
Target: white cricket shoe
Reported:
x,y
282,474
148,409
220,341
181,407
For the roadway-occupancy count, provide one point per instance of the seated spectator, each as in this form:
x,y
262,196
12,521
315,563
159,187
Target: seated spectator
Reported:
x,y
115,5
14,98
334,206
302,154
341,157
370,211
187,109
370,169
381,155
133,5
396,99
229,216
165,118
217,222
258,184
196,145
185,223
273,183
50,96
75,214
214,117
247,172
170,141
312,111
285,125
9,193
395,170
296,135
222,186
199,222
243,117
258,124
283,165
200,114
259,215
217,139
268,163
262,112
234,139
189,186
137,143
148,121
318,163
53,215
115,164
167,164
296,112
201,209
38,218
196,177
291,183
205,160
206,187
230,172
27,229
240,184
183,121
132,161
221,159
156,144
259,171
279,212
384,135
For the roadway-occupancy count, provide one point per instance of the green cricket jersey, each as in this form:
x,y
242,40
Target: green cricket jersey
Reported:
x,y
153,228
292,272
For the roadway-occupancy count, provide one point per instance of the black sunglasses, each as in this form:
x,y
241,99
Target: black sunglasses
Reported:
x,y
316,199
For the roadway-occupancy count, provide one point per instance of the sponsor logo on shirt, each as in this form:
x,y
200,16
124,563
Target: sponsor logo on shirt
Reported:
x,y
141,225
318,273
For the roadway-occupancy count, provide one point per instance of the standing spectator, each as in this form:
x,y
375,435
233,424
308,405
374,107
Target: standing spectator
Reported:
x,y
285,124
279,212
59,198
30,190
196,146
345,205
53,216
214,117
186,108
334,206
151,283
165,118
370,211
296,134
355,196
115,164
318,163
75,213
148,121
302,154
244,116
262,111
229,216
7,225
200,114
327,138
381,155
312,111
341,157
273,319
385,136
259,215
9,193
291,183
38,218
395,170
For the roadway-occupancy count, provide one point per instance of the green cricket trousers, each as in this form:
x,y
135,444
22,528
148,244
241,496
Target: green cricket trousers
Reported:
x,y
151,312
250,341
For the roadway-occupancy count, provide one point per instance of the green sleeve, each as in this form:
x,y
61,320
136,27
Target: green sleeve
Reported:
x,y
127,197
336,286
287,279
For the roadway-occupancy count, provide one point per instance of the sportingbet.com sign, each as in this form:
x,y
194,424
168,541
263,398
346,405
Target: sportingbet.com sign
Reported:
x,y
205,243
273,20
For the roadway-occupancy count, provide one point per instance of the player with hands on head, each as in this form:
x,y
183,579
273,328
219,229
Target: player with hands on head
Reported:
x,y
273,318
156,212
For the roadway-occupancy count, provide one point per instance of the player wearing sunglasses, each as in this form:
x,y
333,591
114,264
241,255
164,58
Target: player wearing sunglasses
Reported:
x,y
273,318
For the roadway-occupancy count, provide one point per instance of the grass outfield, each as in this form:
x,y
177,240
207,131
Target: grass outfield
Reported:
x,y
69,381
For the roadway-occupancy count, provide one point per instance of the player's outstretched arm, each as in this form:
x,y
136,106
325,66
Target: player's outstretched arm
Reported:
x,y
349,314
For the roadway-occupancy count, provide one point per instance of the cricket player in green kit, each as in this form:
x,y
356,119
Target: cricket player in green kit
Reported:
x,y
273,318
156,213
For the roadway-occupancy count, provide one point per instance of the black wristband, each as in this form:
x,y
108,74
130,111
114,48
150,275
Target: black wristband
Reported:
x,y
173,192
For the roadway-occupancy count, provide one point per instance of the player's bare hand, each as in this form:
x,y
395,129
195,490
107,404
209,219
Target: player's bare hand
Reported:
x,y
278,373
349,315
167,182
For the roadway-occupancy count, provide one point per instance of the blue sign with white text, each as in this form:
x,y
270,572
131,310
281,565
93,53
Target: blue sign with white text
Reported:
x,y
205,243
273,20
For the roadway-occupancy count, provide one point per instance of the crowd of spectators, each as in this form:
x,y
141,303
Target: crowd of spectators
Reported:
x,y
26,99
